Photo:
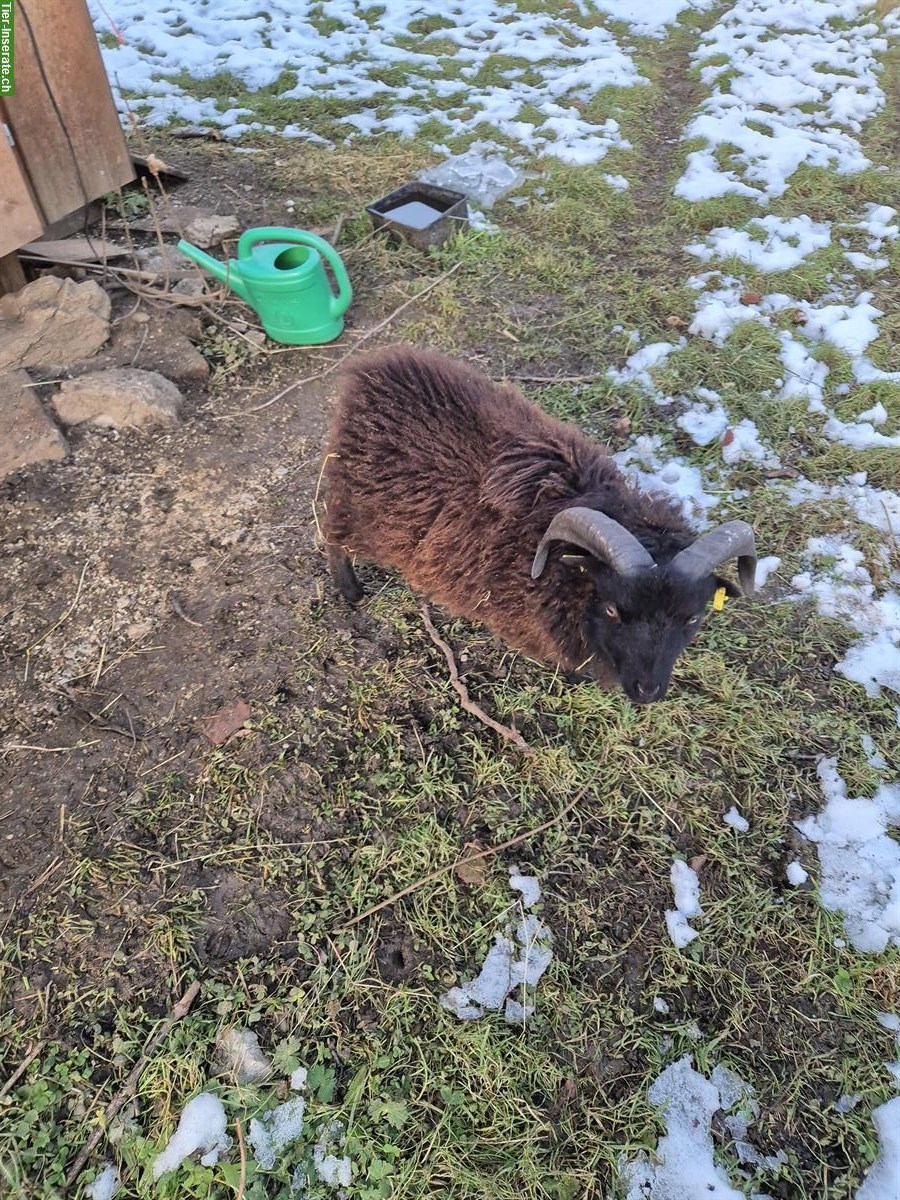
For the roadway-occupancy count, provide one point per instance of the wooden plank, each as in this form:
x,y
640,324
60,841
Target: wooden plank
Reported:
x,y
58,58
12,277
20,221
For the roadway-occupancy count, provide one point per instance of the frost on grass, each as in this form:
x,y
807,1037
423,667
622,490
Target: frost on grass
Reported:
x,y
105,1185
882,1181
341,51
201,1127
859,859
683,1166
274,1130
791,85
686,887
514,964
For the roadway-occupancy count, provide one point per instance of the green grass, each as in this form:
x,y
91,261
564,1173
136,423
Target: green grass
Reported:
x,y
361,776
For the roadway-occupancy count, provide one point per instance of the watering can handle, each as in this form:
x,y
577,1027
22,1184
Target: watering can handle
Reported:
x,y
276,233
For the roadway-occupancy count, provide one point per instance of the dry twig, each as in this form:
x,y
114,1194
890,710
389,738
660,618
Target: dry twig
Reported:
x,y
239,1195
179,611
491,850
365,337
21,1069
511,735
129,1087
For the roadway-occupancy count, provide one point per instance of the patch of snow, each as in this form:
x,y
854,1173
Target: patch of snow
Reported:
x,y
795,874
842,588
659,1005
860,435
271,1132
703,424
517,960
332,1167
792,83
556,61
889,1021
765,567
781,244
528,886
882,1181
298,1079
736,821
105,1185
873,506
638,366
744,445
654,472
873,758
865,262
201,1127
845,1104
617,182
859,860
648,20
686,886
683,1166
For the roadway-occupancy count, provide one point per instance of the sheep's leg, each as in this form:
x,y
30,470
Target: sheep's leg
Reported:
x,y
342,573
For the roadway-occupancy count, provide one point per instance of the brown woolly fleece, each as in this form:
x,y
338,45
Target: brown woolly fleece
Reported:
x,y
452,480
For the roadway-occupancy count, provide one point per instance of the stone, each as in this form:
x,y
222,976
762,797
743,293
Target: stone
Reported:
x,y
166,263
211,231
159,340
191,287
52,322
240,1056
27,435
123,398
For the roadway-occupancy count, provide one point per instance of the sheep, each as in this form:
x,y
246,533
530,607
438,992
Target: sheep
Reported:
x,y
506,516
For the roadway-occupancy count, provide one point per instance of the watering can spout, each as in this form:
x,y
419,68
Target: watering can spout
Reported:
x,y
228,273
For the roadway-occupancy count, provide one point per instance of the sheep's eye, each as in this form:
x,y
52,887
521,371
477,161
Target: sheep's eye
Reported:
x,y
691,621
611,612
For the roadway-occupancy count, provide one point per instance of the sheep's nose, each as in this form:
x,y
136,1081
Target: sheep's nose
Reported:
x,y
647,692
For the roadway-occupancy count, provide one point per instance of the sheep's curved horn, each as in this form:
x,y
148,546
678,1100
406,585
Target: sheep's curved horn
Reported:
x,y
734,539
605,538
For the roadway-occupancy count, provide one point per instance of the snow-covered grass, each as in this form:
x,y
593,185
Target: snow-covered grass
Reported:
x,y
756,393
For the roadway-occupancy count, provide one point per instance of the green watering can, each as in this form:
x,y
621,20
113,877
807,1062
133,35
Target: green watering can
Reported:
x,y
280,274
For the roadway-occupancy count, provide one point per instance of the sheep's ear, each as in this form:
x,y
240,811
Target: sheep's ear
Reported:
x,y
731,589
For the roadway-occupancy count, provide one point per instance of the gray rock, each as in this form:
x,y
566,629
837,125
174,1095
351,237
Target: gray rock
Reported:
x,y
123,397
210,231
165,263
27,434
52,322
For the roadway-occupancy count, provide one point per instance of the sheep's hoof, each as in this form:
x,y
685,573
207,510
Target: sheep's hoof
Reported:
x,y
343,575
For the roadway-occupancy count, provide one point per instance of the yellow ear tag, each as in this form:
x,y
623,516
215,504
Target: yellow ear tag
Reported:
x,y
719,599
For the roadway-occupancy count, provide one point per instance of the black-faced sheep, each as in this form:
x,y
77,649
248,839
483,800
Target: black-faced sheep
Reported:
x,y
487,506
